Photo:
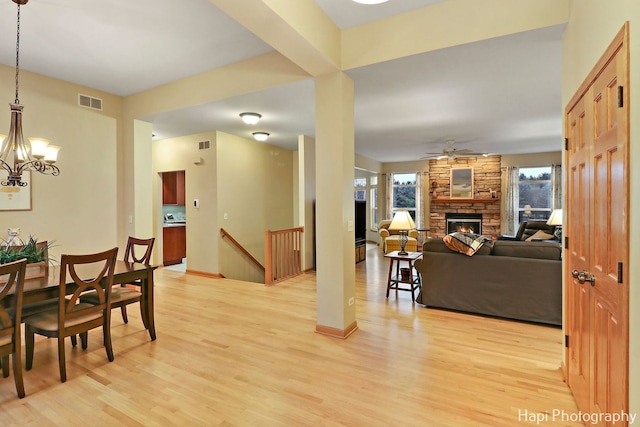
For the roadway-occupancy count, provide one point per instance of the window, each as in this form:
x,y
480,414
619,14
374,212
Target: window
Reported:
x,y
360,185
534,188
404,193
373,202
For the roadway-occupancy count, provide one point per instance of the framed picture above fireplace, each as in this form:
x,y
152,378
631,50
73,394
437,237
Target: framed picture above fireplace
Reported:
x,y
461,184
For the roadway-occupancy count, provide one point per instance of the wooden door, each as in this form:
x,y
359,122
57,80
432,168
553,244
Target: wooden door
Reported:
x,y
577,294
597,229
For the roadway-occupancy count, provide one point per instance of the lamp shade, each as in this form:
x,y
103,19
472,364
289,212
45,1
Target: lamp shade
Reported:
x,y
38,147
51,153
555,218
402,221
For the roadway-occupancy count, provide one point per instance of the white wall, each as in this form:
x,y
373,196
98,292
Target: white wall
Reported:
x,y
77,209
532,160
200,183
305,182
255,191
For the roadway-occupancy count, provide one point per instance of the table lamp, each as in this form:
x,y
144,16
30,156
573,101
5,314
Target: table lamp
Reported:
x,y
402,222
556,219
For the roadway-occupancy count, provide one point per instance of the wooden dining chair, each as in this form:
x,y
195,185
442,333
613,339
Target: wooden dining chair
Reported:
x,y
12,277
137,250
78,274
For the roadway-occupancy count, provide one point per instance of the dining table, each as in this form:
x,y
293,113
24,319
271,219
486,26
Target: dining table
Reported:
x,y
41,289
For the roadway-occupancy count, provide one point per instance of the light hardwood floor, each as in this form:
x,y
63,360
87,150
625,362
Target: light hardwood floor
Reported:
x,y
233,353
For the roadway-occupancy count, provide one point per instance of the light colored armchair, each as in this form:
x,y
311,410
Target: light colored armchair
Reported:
x,y
390,239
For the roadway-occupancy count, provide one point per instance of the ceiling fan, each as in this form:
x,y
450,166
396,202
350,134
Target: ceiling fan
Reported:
x,y
451,152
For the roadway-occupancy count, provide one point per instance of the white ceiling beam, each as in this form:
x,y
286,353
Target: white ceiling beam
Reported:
x,y
446,24
298,29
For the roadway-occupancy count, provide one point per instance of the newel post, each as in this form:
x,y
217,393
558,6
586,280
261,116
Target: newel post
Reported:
x,y
268,259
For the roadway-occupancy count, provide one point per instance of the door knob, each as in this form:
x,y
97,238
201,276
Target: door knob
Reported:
x,y
584,276
591,279
574,273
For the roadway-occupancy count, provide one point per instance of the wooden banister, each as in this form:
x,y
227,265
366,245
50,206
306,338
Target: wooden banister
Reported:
x,y
282,254
241,248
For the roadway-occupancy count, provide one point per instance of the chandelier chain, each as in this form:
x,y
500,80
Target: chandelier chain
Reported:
x,y
17,53
16,156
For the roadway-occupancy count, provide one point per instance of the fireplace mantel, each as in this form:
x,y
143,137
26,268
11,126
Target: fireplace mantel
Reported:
x,y
476,200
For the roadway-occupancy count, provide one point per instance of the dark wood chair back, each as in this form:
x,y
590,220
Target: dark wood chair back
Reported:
x,y
135,247
12,278
93,272
137,250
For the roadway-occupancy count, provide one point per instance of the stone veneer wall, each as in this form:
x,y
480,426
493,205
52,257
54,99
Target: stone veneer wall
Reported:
x,y
486,176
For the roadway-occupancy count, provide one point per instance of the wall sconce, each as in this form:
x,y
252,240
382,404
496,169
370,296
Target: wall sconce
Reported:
x,y
260,136
250,118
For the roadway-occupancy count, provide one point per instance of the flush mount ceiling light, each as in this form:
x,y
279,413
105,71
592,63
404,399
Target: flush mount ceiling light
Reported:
x,y
261,136
370,1
16,156
250,118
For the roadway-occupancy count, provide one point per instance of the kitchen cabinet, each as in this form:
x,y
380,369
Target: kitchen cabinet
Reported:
x,y
173,188
174,246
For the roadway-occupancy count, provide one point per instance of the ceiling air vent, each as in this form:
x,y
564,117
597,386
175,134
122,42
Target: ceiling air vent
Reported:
x,y
204,145
89,102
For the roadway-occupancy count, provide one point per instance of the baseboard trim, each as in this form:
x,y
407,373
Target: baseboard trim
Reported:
x,y
337,333
205,274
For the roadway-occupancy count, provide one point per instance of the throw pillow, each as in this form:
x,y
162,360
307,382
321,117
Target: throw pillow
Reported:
x,y
465,243
540,235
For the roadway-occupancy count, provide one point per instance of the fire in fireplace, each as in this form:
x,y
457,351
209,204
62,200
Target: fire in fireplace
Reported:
x,y
464,222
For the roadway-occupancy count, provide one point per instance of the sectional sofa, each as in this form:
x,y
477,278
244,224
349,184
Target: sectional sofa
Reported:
x,y
511,279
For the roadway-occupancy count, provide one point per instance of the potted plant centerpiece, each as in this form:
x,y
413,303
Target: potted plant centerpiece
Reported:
x,y
36,253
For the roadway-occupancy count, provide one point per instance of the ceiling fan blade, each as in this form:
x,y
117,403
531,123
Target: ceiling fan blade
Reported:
x,y
449,151
471,155
437,157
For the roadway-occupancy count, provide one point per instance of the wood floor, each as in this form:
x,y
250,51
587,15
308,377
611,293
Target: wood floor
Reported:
x,y
233,353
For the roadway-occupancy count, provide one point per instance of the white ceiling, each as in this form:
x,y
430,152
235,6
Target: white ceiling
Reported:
x,y
347,14
501,95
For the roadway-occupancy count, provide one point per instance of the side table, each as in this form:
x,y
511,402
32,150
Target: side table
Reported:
x,y
421,240
412,279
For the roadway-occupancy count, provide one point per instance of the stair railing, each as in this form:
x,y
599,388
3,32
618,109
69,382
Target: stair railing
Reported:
x,y
282,254
241,248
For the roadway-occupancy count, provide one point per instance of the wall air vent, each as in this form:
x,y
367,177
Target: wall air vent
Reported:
x,y
89,102
204,145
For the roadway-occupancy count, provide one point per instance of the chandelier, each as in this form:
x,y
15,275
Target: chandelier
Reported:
x,y
17,157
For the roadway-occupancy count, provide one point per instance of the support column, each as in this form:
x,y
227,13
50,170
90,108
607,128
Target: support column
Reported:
x,y
335,236
306,196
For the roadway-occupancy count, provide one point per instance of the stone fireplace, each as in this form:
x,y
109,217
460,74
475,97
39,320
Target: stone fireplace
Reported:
x,y
464,222
485,203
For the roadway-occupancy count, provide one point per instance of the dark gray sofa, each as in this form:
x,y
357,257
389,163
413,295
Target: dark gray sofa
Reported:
x,y
511,279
